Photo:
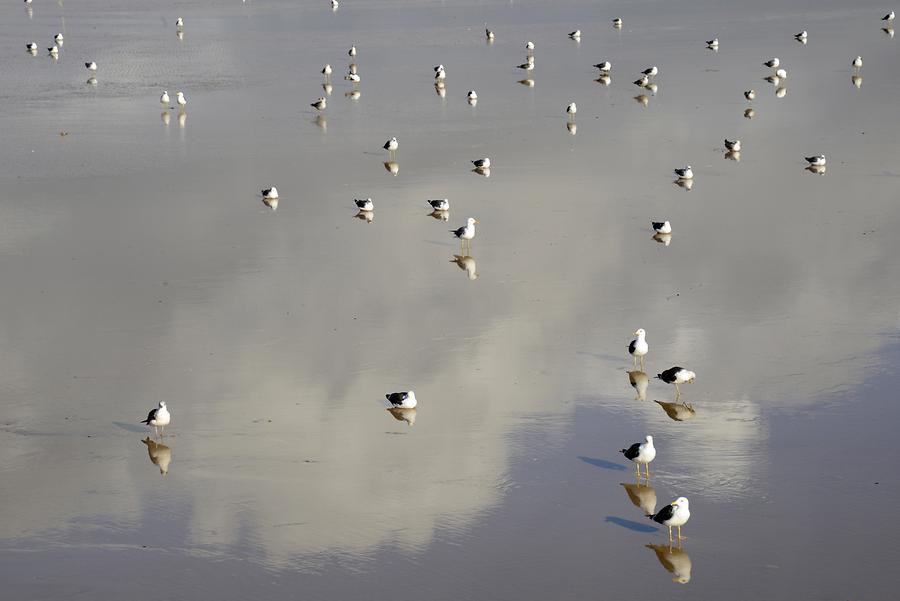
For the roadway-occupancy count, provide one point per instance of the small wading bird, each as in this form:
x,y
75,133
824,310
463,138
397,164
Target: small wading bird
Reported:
x,y
641,453
674,515
158,418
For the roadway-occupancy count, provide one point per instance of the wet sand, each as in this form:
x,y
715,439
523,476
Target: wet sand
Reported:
x,y
140,265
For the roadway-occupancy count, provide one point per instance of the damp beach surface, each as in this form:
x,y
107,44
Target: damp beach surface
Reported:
x,y
140,264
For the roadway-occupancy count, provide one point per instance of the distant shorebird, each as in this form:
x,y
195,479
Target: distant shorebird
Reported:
x,y
440,204
270,192
734,145
404,400
327,71
53,50
772,63
352,51
674,515
888,17
180,99
712,44
488,33
856,62
661,227
685,173
484,163
529,48
352,77
31,46
651,71
179,22
604,66
642,82
617,22
91,66
391,146
816,161
319,104
781,73
571,110
575,35
158,418
472,97
750,94
677,375
164,99
801,37
58,38
364,204
641,453
528,65
638,347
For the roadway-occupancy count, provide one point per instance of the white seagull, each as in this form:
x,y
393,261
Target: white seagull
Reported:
x,y
801,37
164,99
641,453
617,22
816,161
403,400
677,375
642,82
352,77
661,227
638,347
440,204
488,33
158,418
364,204
781,74
91,66
53,50
179,22
59,38
685,173
180,99
772,63
857,62
327,71
713,43
571,109
575,35
391,146
888,17
527,65
270,192
484,163
650,72
32,47
674,515
472,95
750,94
604,66
734,145
529,48
319,104
466,232
352,51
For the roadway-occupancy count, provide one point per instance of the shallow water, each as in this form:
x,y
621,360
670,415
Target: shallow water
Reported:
x,y
140,265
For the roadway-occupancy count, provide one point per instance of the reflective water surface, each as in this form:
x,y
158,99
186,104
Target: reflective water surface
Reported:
x,y
141,265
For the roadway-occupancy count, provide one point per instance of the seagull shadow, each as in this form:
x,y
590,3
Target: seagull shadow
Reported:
x,y
603,464
633,526
131,427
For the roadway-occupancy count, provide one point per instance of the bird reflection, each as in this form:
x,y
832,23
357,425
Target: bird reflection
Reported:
x,y
888,31
680,412
92,81
674,560
321,121
392,167
272,202
166,117
664,239
367,216
638,379
733,155
687,184
352,94
780,92
160,454
817,169
483,171
403,414
182,119
604,79
772,79
572,127
749,113
528,83
654,88
327,87
856,80
440,89
440,215
179,34
467,264
643,496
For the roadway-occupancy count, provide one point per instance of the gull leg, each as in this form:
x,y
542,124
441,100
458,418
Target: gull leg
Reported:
x,y
670,535
647,467
677,392
638,472
642,363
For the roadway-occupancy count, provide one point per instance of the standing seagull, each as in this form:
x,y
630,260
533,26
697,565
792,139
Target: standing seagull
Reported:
x,y
857,63
750,94
91,66
180,99
53,50
802,36
677,375
651,71
404,400
641,452
32,47
571,110
364,204
529,48
179,22
576,35
482,164
661,227
440,204
713,44
466,232
816,161
772,63
733,145
327,71
391,146
270,192
617,23
639,347
674,515
685,173
888,17
319,104
604,66
158,418
488,33
59,38
164,99
352,51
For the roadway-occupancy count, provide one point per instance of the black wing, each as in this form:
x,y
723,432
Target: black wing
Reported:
x,y
665,514
657,224
668,376
396,398
150,416
458,232
631,346
632,451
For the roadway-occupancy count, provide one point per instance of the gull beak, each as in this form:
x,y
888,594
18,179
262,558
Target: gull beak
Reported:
x,y
634,333
476,221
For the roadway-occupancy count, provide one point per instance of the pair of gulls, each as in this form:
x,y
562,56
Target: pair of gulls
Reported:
x,y
675,514
638,349
179,98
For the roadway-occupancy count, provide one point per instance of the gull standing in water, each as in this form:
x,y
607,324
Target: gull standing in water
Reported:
x,y
482,164
713,44
733,145
816,161
180,99
404,400
651,71
685,173
857,63
641,453
638,347
888,17
327,71
54,51
32,47
164,99
319,104
465,233
802,36
364,204
571,110
270,192
576,35
674,515
179,22
58,38
158,418
604,66
352,51
660,227
488,33
472,97
391,146
617,23
750,94
440,204
91,66
529,48
677,375
772,63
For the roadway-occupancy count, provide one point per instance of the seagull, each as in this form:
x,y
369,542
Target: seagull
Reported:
x,y
617,22
391,146
677,375
857,62
472,95
179,22
888,17
179,98
404,400
319,104
527,65
801,37
327,71
440,204
641,452
650,72
91,66
440,74
713,43
352,51
364,204
59,38
734,145
674,515
575,35
661,227
54,51
32,47
529,48
158,418
270,192
816,161
352,77
772,63
642,81
484,163
685,173
466,232
488,33
164,99
750,94
781,74
334,4
160,454
571,109
639,347
604,66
